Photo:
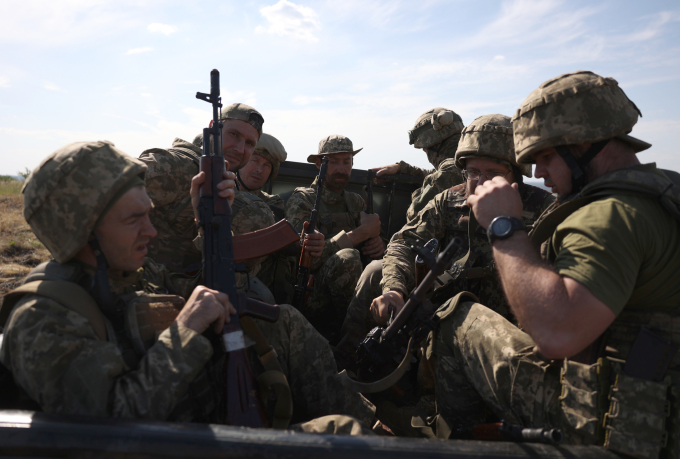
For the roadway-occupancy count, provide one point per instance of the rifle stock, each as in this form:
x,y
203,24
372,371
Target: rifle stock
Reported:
x,y
243,408
305,282
376,354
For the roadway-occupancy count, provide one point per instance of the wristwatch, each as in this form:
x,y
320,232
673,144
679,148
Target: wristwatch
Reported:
x,y
503,227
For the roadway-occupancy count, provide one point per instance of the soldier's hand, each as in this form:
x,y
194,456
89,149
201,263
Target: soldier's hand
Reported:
x,y
205,307
313,242
494,198
385,305
225,187
374,248
385,170
371,224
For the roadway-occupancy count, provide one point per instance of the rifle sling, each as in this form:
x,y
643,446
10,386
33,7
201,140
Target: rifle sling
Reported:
x,y
273,377
382,384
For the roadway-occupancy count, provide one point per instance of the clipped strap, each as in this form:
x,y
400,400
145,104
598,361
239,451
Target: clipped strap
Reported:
x,y
382,384
273,376
68,294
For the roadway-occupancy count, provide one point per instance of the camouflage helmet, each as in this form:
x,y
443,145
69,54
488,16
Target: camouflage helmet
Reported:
x,y
271,149
489,137
434,126
333,144
65,196
245,113
573,109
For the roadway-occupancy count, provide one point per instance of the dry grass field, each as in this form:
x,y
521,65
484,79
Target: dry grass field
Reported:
x,y
20,250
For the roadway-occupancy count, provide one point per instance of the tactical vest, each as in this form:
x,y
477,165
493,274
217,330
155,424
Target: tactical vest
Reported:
x,y
145,316
475,272
629,399
331,223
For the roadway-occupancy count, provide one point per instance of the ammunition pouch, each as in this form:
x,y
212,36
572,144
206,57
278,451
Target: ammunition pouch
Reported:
x,y
601,405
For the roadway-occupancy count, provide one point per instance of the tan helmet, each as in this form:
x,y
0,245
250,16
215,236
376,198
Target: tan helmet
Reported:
x,y
245,113
573,109
68,192
433,126
270,148
489,137
333,144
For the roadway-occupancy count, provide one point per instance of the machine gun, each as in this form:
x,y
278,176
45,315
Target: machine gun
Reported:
x,y
305,281
219,270
377,353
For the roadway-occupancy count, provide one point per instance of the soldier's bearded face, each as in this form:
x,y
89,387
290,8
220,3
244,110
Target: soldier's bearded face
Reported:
x,y
554,171
238,142
124,232
339,170
256,173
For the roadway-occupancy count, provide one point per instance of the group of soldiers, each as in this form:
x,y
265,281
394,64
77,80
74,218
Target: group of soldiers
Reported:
x,y
559,312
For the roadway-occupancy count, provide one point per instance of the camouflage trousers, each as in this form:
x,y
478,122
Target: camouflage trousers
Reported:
x,y
359,320
307,361
333,425
486,365
334,284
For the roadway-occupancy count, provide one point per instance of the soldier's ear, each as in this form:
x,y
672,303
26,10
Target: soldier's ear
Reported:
x,y
318,163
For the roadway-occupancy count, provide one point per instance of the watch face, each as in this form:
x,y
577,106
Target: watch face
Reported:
x,y
501,227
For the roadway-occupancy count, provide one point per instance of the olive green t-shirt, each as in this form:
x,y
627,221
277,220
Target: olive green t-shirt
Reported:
x,y
626,250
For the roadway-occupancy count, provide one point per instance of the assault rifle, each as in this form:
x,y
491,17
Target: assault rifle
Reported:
x,y
421,267
305,281
376,355
219,270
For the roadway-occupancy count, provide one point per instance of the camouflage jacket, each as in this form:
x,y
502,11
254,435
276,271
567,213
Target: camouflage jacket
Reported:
x,y
443,218
338,214
436,181
168,182
57,358
274,201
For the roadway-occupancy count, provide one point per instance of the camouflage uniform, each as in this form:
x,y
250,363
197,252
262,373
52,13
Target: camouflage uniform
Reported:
x,y
443,218
482,360
437,129
169,174
338,268
62,359
272,150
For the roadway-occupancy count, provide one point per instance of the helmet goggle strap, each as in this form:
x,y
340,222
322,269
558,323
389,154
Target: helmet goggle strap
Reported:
x,y
101,288
577,165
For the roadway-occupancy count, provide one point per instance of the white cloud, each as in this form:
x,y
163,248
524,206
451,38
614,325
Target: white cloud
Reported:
x,y
4,82
654,28
138,50
52,86
165,29
286,18
499,58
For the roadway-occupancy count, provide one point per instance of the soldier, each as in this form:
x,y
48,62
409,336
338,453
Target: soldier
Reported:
x,y
168,181
264,166
345,225
69,341
599,312
485,151
437,132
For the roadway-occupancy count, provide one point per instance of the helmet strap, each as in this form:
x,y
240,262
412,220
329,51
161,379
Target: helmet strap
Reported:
x,y
240,181
577,165
101,288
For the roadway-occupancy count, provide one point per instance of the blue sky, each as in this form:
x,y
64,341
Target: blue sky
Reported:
x,y
127,71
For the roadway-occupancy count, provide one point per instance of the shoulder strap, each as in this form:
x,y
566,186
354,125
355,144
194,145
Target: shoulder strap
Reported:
x,y
273,377
68,294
